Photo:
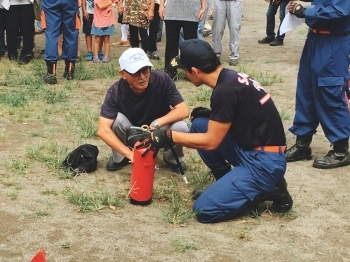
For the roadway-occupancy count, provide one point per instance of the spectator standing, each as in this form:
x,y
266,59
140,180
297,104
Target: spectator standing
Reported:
x,y
231,11
20,17
124,28
138,14
103,27
322,82
3,14
153,31
271,38
57,16
179,14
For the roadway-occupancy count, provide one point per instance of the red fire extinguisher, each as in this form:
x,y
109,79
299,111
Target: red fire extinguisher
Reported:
x,y
142,176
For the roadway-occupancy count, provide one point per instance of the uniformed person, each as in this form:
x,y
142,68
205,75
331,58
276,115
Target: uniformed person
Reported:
x,y
60,16
322,82
241,129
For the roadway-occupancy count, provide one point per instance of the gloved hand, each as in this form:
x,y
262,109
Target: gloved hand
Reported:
x,y
157,138
296,9
200,112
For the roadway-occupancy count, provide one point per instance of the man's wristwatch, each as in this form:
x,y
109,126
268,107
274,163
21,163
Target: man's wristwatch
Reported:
x,y
155,124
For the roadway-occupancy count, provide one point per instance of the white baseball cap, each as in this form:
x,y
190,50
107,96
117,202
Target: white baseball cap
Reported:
x,y
133,59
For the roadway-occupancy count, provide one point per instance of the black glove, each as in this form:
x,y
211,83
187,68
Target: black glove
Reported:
x,y
200,112
156,139
296,9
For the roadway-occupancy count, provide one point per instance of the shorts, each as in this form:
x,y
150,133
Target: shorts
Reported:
x,y
102,31
87,24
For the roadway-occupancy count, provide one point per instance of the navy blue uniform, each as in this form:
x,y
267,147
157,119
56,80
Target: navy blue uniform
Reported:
x,y
60,16
323,72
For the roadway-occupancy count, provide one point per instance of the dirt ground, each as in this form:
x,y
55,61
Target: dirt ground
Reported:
x,y
317,229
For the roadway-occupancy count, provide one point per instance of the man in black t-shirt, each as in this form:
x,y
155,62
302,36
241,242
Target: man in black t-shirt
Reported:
x,y
242,129
140,97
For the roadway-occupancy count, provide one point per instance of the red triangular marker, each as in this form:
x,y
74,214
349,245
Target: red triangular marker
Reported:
x,y
39,257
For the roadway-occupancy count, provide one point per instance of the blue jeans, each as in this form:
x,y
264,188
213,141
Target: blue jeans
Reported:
x,y
160,29
270,24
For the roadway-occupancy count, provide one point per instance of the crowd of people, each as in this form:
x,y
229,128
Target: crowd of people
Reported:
x,y
241,137
141,23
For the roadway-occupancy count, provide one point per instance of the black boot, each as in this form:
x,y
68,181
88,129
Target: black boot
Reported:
x,y
69,70
337,157
300,150
282,201
217,174
50,77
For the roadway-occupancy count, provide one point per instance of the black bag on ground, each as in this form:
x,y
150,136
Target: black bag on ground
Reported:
x,y
82,159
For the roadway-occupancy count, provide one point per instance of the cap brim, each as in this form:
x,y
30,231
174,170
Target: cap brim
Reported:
x,y
175,63
133,68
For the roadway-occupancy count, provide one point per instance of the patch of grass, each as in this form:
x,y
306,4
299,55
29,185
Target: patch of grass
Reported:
x,y
50,154
66,174
244,234
83,73
87,123
11,181
93,201
51,96
264,78
41,213
17,167
49,192
289,214
109,70
184,245
179,211
284,115
14,99
202,96
13,194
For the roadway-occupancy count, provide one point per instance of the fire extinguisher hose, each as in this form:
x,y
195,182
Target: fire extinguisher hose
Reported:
x,y
178,162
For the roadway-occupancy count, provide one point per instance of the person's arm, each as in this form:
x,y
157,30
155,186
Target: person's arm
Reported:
x,y
104,4
206,141
120,7
105,132
202,11
179,112
161,9
83,9
151,10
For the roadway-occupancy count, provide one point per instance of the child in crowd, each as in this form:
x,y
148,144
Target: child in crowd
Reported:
x,y
124,41
88,16
103,27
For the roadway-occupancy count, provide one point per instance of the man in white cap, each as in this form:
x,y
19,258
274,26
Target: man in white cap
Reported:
x,y
140,97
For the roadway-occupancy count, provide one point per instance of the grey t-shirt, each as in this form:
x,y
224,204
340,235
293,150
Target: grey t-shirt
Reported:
x,y
182,10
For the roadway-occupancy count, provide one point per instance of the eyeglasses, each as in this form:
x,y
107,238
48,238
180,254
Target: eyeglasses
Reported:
x,y
145,71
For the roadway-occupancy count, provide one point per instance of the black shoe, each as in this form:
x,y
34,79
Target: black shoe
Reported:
x,y
50,79
25,59
296,153
196,193
266,40
174,167
159,40
332,159
68,75
276,42
113,166
282,201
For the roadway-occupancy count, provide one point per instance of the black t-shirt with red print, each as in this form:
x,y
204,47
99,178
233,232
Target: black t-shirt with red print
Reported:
x,y
241,100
